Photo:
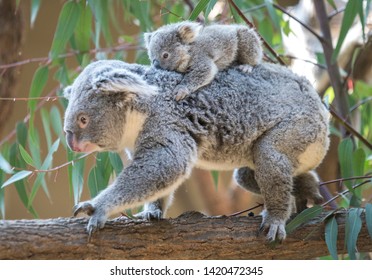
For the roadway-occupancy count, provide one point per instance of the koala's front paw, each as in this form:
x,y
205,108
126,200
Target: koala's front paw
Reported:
x,y
245,68
274,226
150,215
97,218
181,92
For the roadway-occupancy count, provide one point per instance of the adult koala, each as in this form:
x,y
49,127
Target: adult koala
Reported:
x,y
269,125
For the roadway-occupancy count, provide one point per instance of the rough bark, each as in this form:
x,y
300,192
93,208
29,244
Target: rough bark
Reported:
x,y
10,42
190,236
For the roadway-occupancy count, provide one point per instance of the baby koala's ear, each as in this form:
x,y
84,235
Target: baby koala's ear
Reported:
x,y
189,31
67,92
121,80
147,38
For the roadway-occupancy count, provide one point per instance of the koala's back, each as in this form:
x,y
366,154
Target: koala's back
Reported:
x,y
220,42
235,110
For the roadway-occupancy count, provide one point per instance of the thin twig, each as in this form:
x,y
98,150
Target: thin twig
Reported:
x,y
350,128
345,192
345,179
250,24
335,13
360,103
305,60
46,98
47,60
244,211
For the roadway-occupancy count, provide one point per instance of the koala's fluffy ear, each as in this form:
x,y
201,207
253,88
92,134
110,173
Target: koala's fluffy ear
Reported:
x,y
147,38
121,80
67,92
188,31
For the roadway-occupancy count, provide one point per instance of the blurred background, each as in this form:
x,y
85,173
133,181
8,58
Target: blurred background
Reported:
x,y
45,44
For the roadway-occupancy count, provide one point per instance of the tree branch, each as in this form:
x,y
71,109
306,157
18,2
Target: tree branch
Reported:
x,y
190,236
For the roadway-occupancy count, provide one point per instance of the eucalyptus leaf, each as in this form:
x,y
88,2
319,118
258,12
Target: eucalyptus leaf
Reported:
x,y
5,166
303,217
16,177
26,156
35,6
352,228
331,232
37,85
345,154
351,10
40,176
67,22
202,4
369,218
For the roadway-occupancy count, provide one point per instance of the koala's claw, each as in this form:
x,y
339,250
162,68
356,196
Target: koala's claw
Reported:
x,y
150,215
275,228
245,68
181,92
83,207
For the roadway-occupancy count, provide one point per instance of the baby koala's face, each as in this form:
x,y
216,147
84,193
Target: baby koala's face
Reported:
x,y
166,51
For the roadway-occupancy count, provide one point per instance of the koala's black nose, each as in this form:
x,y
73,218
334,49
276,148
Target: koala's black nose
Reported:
x,y
156,63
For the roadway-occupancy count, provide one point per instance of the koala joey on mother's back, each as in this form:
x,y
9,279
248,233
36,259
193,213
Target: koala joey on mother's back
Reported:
x,y
270,126
200,52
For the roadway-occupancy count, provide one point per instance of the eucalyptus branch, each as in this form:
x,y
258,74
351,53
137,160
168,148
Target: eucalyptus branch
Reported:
x,y
360,103
350,128
335,13
48,61
62,165
244,211
46,98
50,95
345,192
345,179
169,12
250,24
305,60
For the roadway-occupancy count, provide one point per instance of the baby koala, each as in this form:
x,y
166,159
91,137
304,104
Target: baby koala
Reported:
x,y
188,47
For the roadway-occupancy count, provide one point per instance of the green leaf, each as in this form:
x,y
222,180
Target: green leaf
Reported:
x,y
331,232
116,162
83,29
369,218
101,16
352,228
78,179
40,176
45,118
67,22
215,175
16,177
37,85
35,5
210,7
332,3
345,154
21,131
99,175
5,166
350,13
26,156
303,217
272,13
198,9
2,197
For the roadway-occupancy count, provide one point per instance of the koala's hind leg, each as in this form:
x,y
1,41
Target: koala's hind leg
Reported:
x,y
273,174
249,47
306,187
155,210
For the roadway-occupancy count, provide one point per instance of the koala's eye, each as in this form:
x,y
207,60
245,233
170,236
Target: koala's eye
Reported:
x,y
165,55
83,121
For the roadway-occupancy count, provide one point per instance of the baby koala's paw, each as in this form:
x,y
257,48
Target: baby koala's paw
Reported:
x,y
155,214
181,92
245,68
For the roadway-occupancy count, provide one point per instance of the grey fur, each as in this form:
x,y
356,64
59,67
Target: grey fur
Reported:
x,y
201,52
270,121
